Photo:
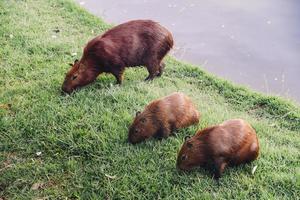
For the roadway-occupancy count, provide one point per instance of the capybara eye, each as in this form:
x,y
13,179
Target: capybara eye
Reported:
x,y
143,120
74,77
136,131
183,157
189,145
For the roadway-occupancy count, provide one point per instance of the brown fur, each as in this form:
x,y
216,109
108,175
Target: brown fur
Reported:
x,y
161,117
231,143
135,43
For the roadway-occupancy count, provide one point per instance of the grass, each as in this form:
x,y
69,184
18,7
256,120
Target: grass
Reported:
x,y
82,137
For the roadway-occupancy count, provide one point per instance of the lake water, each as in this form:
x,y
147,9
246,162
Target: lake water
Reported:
x,y
251,42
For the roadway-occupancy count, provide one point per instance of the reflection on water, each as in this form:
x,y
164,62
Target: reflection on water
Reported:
x,y
255,43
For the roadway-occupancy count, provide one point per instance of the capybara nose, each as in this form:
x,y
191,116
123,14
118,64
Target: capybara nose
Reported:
x,y
178,165
65,90
179,169
130,141
62,92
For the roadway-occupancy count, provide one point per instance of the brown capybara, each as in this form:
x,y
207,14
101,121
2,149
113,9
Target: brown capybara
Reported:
x,y
162,117
231,143
135,43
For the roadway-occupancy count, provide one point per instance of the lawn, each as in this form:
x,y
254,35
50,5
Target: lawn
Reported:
x,y
55,146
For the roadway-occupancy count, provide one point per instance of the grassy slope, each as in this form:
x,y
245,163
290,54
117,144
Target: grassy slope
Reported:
x,y
82,137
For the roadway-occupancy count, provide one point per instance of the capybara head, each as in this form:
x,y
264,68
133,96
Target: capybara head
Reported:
x,y
79,75
141,128
190,154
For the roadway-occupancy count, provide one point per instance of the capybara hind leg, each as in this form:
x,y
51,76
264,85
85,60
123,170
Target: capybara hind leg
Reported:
x,y
247,154
153,70
150,76
196,118
254,151
161,69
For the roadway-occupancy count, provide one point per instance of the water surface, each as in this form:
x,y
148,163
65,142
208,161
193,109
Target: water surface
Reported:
x,y
251,42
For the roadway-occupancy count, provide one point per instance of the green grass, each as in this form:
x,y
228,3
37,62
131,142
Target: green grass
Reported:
x,y
82,137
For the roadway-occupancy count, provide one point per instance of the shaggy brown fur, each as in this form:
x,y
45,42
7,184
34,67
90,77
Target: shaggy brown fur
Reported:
x,y
135,43
231,143
163,116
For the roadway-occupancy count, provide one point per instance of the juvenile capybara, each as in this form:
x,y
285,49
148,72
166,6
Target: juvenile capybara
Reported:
x,y
162,117
135,43
231,143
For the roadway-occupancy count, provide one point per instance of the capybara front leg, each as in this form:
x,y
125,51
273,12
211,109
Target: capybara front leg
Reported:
x,y
219,166
119,75
163,132
120,79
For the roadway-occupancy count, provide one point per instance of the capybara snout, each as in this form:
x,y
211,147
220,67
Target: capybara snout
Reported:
x,y
78,76
138,132
135,43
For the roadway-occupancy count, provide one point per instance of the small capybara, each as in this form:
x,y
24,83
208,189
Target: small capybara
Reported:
x,y
135,43
162,117
231,143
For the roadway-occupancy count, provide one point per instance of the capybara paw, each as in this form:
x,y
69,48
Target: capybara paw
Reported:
x,y
149,78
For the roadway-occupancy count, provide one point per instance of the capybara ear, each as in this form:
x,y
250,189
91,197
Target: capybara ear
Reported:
x,y
137,113
76,61
187,137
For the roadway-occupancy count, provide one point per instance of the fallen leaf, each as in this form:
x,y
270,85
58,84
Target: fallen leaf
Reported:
x,y
254,169
110,177
38,153
5,106
37,186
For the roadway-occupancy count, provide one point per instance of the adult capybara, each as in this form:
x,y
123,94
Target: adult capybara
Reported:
x,y
162,117
231,143
135,43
